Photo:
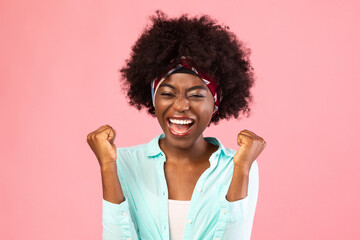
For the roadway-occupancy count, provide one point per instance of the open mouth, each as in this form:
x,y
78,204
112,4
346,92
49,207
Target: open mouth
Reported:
x,y
180,127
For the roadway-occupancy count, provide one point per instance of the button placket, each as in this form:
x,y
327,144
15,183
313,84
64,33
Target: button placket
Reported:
x,y
165,217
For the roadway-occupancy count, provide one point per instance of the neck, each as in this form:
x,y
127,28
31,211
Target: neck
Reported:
x,y
193,154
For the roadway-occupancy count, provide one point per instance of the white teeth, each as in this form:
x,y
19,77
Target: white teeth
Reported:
x,y
176,121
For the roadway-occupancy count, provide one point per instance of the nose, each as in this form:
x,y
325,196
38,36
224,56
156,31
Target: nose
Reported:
x,y
181,104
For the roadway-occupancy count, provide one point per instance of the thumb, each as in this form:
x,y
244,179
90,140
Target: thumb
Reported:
x,y
111,135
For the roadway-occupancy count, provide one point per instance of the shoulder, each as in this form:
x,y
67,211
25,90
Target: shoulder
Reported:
x,y
150,148
132,154
132,149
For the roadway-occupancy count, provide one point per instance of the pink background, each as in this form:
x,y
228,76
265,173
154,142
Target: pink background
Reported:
x,y
59,82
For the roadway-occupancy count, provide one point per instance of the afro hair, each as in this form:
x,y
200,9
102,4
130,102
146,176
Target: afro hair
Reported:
x,y
211,47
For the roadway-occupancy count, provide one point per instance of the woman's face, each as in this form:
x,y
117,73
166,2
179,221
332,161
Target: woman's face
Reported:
x,y
183,107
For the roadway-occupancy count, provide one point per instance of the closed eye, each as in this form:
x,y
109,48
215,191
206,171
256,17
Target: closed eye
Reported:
x,y
170,95
166,94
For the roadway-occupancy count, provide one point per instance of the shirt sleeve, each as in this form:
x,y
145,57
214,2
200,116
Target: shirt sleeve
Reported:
x,y
117,222
240,221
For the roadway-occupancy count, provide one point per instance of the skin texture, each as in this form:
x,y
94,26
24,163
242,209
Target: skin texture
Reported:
x,y
197,104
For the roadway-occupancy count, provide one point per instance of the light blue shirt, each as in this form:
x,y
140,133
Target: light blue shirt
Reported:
x,y
144,213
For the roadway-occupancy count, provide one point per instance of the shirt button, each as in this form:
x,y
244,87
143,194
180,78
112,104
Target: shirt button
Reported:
x,y
199,189
189,221
124,213
223,211
128,239
216,239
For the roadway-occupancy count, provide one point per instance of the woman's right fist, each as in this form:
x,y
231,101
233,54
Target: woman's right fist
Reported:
x,y
101,142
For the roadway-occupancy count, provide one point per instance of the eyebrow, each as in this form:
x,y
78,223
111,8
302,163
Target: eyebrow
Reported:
x,y
189,89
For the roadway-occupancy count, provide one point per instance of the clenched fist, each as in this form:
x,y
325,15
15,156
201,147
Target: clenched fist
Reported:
x,y
251,145
101,142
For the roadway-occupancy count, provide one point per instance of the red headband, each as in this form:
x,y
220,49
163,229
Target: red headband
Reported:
x,y
184,63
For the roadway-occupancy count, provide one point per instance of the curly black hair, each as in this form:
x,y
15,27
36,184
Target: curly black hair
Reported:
x,y
212,48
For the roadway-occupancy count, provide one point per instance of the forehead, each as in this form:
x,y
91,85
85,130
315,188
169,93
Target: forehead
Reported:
x,y
180,80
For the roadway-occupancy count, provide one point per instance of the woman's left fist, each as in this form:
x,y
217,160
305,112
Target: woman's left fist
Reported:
x,y
251,145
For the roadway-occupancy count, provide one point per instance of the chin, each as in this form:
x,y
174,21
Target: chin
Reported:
x,y
181,143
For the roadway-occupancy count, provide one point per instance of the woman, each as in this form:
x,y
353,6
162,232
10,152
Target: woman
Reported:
x,y
189,73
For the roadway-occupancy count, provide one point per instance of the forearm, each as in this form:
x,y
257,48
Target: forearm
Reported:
x,y
112,191
238,188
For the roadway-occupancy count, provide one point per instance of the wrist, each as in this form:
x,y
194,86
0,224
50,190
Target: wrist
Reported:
x,y
108,167
245,169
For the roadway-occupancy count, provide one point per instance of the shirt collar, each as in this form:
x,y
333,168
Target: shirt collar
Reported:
x,y
153,149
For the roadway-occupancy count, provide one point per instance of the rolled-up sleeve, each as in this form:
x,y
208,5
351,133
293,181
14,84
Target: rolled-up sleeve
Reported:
x,y
117,222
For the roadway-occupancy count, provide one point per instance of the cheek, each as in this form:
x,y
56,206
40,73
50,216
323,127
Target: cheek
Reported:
x,y
206,108
159,104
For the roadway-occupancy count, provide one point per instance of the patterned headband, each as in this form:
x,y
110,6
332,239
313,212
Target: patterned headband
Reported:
x,y
207,80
